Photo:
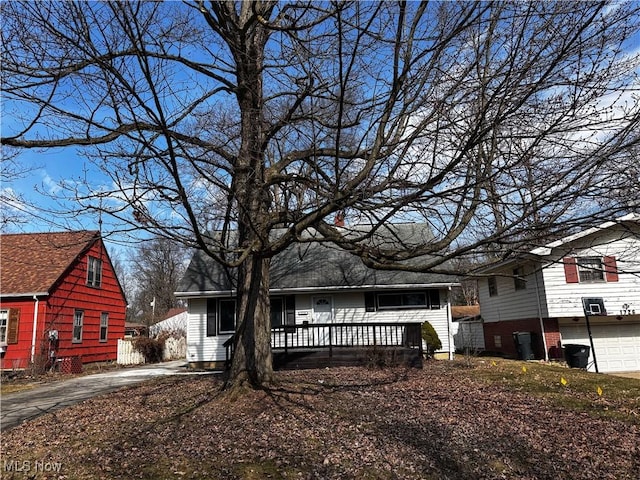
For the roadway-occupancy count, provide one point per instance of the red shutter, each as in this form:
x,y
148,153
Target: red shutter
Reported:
x,y
610,269
12,325
570,270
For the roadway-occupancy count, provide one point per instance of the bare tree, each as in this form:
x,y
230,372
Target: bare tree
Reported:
x,y
156,267
219,121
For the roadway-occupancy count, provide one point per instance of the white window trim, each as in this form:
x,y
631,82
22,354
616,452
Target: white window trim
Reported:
x,y
104,315
4,318
81,325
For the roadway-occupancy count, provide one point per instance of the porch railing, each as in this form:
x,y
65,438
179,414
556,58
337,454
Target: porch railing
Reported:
x,y
340,335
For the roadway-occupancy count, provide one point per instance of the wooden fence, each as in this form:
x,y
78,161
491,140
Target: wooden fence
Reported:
x,y
174,349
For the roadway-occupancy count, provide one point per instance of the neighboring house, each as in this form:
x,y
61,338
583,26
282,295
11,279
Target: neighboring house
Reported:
x,y
134,329
59,297
175,321
316,283
542,292
470,333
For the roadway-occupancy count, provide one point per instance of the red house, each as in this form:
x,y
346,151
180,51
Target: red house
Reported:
x,y
59,298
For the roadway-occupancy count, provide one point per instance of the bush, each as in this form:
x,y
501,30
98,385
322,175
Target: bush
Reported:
x,y
150,348
430,336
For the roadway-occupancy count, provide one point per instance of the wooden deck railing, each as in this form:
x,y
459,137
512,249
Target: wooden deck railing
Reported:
x,y
343,335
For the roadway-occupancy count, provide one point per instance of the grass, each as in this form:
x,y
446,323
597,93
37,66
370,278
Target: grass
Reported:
x,y
600,395
6,388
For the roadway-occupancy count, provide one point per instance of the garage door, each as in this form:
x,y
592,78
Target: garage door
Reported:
x,y
617,346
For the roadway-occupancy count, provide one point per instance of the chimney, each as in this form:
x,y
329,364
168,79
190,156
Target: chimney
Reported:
x,y
338,221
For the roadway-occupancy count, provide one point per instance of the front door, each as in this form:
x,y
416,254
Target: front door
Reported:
x,y
322,310
322,313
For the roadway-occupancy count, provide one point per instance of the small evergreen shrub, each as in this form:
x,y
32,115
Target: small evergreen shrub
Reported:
x,y
430,336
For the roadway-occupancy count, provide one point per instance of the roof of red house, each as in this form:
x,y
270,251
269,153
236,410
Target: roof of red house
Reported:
x,y
31,263
173,312
464,311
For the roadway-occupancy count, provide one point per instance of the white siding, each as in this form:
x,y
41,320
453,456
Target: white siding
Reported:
x,y
201,348
470,335
509,303
564,299
347,307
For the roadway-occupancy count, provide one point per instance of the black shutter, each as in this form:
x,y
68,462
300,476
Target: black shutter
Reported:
x,y
370,301
434,299
290,309
211,317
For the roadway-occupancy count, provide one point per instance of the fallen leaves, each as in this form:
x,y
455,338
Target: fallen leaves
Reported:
x,y
343,423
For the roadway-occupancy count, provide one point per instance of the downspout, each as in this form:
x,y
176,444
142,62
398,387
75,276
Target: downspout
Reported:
x,y
544,339
35,329
449,316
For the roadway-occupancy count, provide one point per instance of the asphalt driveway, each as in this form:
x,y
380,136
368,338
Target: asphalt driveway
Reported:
x,y
20,406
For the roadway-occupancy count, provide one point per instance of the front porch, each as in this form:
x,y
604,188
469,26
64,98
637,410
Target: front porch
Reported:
x,y
316,345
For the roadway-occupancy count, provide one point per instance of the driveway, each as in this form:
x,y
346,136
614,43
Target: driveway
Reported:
x,y
26,405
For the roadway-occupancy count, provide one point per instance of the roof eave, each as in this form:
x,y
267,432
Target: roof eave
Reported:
x,y
407,286
24,295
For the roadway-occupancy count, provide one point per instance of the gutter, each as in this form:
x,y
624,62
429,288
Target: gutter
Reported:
x,y
35,328
408,286
23,295
449,320
544,337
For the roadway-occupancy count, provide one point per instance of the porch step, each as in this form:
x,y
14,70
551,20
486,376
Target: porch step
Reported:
x,y
344,357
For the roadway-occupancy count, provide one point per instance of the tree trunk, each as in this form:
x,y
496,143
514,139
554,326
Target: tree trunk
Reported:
x,y
252,361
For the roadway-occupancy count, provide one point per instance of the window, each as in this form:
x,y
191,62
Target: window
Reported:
x,y
590,269
227,316
493,286
497,341
4,318
402,300
518,279
78,319
94,272
104,325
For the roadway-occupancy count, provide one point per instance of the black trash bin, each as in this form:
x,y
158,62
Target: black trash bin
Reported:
x,y
577,356
523,342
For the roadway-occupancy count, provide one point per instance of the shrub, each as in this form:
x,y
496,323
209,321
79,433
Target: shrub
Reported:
x,y
430,336
150,348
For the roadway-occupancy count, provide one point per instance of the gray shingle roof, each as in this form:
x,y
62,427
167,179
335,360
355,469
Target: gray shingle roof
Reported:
x,y
317,266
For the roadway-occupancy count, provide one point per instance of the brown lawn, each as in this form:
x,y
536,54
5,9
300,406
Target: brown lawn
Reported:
x,y
450,420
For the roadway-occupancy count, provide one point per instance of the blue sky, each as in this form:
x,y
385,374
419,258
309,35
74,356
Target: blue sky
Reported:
x,y
52,167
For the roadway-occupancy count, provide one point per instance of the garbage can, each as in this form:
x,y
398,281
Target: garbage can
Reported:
x,y
523,343
577,356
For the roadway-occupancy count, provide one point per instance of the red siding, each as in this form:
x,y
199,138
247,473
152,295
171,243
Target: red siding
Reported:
x,y
505,331
57,313
552,336
19,355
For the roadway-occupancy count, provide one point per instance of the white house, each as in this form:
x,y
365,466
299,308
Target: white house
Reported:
x,y
547,292
316,283
175,321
